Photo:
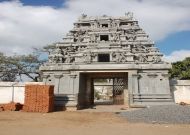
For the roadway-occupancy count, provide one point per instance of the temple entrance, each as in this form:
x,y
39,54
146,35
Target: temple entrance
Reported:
x,y
109,90
103,89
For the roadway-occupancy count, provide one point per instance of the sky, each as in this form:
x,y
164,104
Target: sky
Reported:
x,y
27,24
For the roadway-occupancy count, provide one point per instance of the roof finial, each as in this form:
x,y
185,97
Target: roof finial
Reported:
x,y
129,14
84,15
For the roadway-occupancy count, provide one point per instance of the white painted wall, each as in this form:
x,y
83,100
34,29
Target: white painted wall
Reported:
x,y
181,90
13,91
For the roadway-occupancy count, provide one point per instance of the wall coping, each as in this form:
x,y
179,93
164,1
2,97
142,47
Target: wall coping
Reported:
x,y
18,84
179,82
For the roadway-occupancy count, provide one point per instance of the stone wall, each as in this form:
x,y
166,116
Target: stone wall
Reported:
x,y
151,87
13,92
181,90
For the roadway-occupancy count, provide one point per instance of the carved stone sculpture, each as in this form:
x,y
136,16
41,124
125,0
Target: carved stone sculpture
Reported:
x,y
121,43
88,57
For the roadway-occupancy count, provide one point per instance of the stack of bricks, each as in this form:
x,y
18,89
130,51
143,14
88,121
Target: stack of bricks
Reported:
x,y
39,98
11,107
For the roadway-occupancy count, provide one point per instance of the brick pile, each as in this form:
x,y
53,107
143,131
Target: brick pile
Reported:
x,y
39,98
11,107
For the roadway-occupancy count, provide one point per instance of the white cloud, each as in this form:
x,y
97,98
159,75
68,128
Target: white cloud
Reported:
x,y
158,18
177,55
23,27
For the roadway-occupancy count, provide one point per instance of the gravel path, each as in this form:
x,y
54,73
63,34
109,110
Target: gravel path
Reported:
x,y
171,114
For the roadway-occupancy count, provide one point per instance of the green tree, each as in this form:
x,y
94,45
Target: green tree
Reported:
x,y
180,70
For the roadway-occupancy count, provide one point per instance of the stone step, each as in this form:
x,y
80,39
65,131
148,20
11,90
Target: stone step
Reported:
x,y
153,100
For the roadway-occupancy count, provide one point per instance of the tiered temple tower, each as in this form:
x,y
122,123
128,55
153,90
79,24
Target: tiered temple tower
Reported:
x,y
107,47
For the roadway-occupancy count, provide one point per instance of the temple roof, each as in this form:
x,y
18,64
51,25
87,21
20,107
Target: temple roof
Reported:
x,y
106,39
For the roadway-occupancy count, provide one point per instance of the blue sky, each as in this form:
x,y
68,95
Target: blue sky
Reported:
x,y
54,3
34,23
175,41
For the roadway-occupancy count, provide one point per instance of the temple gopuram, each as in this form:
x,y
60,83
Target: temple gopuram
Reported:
x,y
107,48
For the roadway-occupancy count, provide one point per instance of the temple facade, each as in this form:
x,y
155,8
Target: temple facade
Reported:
x,y
105,47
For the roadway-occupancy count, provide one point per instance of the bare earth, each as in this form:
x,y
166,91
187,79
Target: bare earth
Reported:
x,y
80,123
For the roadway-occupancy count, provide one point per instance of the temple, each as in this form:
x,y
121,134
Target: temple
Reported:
x,y
107,48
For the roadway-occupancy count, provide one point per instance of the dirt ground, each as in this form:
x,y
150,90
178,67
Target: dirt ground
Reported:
x,y
80,123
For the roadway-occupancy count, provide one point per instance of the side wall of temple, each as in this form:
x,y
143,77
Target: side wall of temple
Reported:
x,y
151,87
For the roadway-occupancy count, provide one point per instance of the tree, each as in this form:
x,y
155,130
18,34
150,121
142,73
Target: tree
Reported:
x,y
49,48
12,67
46,49
7,70
180,70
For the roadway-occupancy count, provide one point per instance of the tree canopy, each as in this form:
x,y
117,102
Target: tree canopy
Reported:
x,y
15,67
180,70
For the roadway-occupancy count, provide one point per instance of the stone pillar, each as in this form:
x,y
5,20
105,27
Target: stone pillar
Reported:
x,y
45,77
72,96
76,81
72,83
135,84
111,57
167,84
88,92
109,23
130,88
126,97
57,83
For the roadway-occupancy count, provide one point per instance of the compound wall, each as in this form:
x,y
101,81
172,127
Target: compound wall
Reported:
x,y
13,92
181,90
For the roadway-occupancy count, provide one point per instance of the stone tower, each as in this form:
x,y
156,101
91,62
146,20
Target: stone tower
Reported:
x,y
107,47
